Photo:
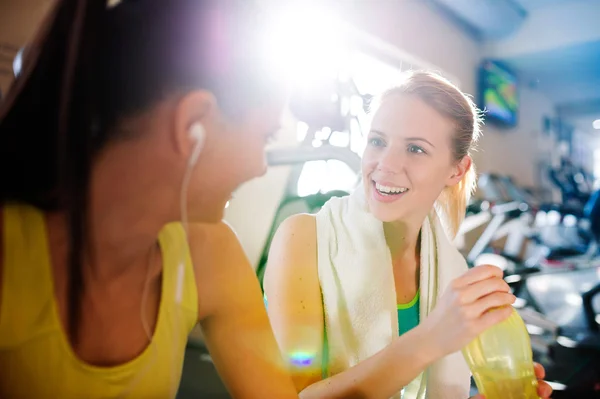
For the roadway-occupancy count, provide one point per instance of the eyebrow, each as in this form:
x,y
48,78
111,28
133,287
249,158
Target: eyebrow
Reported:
x,y
406,139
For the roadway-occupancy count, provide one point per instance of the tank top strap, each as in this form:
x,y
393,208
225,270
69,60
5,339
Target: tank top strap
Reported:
x,y
179,288
27,296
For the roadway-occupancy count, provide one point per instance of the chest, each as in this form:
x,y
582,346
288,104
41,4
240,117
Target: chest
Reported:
x,y
406,281
113,357
42,367
114,326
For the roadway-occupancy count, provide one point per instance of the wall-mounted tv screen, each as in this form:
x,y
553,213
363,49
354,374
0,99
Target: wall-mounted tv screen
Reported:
x,y
498,94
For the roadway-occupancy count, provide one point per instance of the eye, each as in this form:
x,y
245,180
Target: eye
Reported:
x,y
376,142
415,149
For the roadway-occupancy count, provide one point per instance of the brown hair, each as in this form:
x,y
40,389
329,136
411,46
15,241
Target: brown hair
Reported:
x,y
91,69
448,100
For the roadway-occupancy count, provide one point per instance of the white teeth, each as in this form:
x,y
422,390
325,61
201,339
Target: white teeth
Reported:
x,y
390,190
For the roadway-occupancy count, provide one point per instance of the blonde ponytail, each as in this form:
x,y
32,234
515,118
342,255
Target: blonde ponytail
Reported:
x,y
452,202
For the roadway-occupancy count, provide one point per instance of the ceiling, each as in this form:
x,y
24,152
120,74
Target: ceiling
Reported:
x,y
531,5
553,45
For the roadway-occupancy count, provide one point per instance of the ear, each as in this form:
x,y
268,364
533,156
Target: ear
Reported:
x,y
197,107
460,170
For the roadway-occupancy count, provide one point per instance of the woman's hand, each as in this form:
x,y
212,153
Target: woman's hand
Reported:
x,y
462,313
544,389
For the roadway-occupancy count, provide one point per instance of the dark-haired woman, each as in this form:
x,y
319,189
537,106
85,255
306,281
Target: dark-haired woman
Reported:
x,y
125,122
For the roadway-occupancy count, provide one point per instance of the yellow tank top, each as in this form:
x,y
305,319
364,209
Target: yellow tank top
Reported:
x,y
36,359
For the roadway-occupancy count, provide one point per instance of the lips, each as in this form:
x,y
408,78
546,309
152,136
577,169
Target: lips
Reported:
x,y
387,192
387,189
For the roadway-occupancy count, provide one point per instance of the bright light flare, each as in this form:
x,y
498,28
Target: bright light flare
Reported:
x,y
303,43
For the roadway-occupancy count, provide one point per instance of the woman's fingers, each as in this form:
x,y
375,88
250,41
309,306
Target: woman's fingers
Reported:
x,y
493,302
483,288
544,389
540,373
476,274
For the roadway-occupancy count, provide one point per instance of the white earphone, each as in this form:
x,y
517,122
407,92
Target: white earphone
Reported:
x,y
198,134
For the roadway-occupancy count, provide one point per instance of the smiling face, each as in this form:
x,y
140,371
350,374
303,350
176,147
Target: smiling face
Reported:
x,y
409,159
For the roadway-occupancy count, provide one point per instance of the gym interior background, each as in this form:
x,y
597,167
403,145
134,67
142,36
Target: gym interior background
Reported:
x,y
534,65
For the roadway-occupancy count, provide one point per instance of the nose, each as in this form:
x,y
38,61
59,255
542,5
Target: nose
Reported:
x,y
391,161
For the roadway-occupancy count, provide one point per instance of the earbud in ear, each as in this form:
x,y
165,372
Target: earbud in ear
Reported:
x,y
197,131
198,134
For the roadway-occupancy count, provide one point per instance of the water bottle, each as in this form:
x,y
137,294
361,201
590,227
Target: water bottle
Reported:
x,y
501,361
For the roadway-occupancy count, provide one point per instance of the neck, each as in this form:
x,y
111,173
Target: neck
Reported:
x,y
403,239
126,209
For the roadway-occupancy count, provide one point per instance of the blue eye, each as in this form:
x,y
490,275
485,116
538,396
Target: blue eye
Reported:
x,y
376,142
415,149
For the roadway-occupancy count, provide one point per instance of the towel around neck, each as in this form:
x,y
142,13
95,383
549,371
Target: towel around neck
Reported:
x,y
359,295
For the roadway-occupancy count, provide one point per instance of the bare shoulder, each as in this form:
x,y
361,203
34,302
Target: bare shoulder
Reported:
x,y
302,224
294,246
210,237
211,244
221,267
297,235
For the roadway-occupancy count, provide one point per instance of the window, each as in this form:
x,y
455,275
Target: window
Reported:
x,y
370,76
325,176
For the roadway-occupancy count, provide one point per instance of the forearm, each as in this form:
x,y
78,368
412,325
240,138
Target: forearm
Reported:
x,y
382,375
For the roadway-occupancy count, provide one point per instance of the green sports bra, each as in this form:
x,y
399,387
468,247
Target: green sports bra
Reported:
x,y
408,315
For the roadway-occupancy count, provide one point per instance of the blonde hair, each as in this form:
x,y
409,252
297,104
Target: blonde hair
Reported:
x,y
448,100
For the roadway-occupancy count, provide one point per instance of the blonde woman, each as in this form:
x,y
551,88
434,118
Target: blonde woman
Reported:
x,y
368,298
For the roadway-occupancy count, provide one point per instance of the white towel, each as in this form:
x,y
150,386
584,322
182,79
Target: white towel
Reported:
x,y
359,296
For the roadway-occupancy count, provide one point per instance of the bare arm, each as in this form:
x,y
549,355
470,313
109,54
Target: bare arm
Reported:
x,y
234,319
296,313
